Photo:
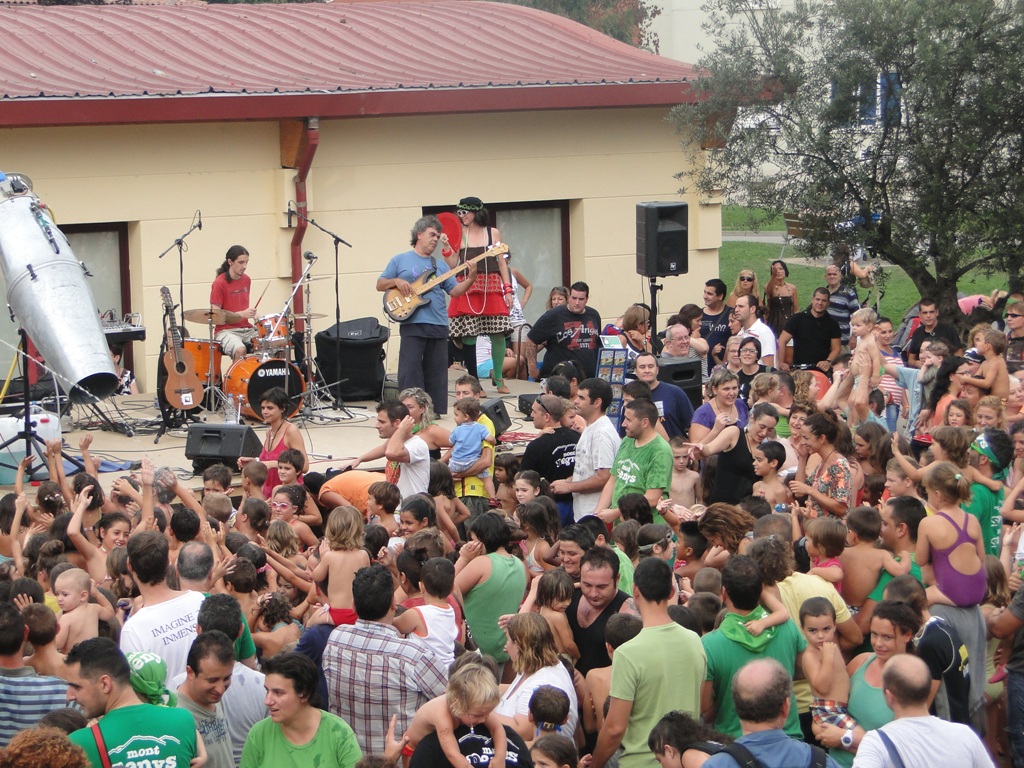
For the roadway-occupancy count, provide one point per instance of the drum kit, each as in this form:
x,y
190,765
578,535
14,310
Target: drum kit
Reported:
x,y
269,364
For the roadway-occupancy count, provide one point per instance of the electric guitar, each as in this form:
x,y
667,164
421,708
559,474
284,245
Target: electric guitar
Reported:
x,y
400,307
183,389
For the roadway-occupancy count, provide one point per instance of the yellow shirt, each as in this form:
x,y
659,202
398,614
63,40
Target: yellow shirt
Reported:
x,y
473,486
794,590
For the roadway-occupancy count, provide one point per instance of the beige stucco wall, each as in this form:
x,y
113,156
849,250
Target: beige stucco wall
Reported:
x,y
370,178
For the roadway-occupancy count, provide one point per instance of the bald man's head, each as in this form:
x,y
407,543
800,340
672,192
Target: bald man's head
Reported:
x,y
908,680
760,691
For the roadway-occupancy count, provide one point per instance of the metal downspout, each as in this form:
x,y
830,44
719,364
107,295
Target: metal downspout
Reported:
x,y
312,141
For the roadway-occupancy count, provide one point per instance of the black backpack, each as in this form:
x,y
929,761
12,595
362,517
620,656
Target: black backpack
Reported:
x,y
742,756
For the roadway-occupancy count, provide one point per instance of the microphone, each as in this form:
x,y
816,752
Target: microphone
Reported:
x,y
309,256
200,224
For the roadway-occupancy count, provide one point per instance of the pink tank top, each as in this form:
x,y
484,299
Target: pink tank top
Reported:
x,y
273,478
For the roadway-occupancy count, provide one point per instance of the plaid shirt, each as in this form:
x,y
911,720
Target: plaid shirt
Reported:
x,y
373,673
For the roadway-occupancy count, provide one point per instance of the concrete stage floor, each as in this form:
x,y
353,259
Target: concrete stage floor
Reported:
x,y
331,437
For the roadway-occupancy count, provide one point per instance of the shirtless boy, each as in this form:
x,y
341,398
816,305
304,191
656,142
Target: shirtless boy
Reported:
x,y
862,561
769,457
823,664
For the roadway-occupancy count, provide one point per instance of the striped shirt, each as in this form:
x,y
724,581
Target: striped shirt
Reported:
x,y
373,673
841,304
25,698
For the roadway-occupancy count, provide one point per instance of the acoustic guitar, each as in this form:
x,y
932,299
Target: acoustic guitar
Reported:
x,y
183,389
400,307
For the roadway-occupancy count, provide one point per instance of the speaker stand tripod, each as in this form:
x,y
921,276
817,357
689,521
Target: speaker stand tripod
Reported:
x,y
655,287
28,433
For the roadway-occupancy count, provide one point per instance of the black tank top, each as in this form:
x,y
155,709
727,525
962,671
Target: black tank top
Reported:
x,y
734,478
590,640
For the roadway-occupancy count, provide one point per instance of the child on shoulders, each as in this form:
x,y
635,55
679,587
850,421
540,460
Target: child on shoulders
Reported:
x,y
951,540
470,699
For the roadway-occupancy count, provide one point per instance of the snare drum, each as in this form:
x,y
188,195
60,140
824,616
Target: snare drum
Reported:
x,y
203,352
272,331
249,378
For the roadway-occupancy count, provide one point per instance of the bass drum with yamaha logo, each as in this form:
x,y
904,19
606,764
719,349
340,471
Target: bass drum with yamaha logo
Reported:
x,y
249,378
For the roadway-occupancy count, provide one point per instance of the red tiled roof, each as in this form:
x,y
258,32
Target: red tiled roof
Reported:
x,y
327,59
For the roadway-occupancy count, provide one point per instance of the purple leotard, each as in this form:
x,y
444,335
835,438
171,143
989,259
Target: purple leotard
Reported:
x,y
962,589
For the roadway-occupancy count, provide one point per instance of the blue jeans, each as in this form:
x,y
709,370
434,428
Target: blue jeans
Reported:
x,y
892,416
1015,716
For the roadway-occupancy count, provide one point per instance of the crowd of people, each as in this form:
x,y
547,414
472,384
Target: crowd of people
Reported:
x,y
817,563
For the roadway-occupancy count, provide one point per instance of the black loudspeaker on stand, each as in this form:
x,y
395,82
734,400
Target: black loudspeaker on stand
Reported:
x,y
210,444
662,239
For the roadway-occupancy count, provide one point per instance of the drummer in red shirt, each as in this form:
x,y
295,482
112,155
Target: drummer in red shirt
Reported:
x,y
230,292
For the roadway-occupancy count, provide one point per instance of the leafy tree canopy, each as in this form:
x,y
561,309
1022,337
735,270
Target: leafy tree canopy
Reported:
x,y
625,20
903,116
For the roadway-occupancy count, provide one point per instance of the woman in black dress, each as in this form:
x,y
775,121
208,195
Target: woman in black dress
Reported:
x,y
735,478
779,297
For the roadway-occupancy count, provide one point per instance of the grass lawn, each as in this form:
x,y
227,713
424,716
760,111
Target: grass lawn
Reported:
x,y
736,218
900,292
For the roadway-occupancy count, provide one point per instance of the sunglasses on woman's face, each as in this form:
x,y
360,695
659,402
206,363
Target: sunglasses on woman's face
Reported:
x,y
745,279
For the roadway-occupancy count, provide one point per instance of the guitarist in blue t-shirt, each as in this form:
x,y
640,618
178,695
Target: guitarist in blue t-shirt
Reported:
x,y
423,355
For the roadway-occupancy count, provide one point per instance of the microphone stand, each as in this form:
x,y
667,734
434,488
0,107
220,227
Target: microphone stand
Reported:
x,y
339,403
179,243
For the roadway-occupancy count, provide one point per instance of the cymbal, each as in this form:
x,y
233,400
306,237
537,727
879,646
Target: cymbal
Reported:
x,y
312,316
215,316
313,279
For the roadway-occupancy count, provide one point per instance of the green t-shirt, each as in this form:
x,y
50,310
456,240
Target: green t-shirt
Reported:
x,y
885,577
245,647
625,570
636,470
725,657
142,734
782,429
660,670
333,746
985,505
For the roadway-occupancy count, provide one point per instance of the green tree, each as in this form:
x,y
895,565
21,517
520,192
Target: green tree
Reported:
x,y
908,109
625,20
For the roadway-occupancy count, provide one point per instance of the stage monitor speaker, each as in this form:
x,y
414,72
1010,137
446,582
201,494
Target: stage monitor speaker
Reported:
x,y
354,352
685,374
526,404
498,414
209,444
662,239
